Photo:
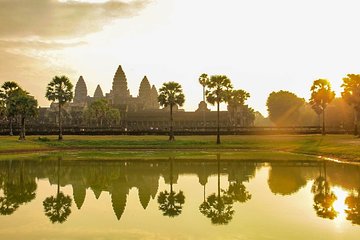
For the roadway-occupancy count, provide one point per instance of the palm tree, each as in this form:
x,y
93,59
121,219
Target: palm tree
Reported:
x,y
218,207
171,94
58,208
170,203
351,95
60,89
203,79
218,91
7,89
321,96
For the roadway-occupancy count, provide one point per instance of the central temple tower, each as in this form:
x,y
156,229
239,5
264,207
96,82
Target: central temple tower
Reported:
x,y
120,91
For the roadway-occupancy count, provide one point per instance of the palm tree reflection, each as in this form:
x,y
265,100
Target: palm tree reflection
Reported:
x,y
353,211
324,198
170,203
58,208
218,207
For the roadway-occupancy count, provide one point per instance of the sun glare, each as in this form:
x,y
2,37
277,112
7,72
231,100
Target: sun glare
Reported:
x,y
339,205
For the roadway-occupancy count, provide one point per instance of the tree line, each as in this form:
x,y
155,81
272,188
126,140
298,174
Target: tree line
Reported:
x,y
287,109
284,107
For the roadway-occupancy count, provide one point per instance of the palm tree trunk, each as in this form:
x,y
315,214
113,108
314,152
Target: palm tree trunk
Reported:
x,y
171,175
22,129
171,135
218,124
323,123
356,123
58,177
11,126
204,192
204,93
60,124
218,165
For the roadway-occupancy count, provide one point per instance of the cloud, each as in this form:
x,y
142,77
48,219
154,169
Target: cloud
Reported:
x,y
54,19
37,44
34,32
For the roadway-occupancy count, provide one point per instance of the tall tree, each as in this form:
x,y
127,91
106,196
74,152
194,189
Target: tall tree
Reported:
x,y
60,90
24,106
7,89
283,107
218,92
203,79
351,95
321,96
171,94
236,100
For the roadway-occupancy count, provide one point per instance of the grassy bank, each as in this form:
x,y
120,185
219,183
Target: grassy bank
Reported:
x,y
334,146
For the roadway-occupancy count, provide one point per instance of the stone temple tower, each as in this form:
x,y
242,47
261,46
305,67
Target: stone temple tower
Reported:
x,y
80,91
154,103
120,91
144,90
98,93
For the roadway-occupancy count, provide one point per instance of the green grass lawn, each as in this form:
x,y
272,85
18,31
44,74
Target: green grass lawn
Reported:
x,y
345,147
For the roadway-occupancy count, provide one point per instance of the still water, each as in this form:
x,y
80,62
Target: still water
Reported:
x,y
179,199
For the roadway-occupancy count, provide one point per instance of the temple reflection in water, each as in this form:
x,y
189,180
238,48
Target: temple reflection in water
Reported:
x,y
18,185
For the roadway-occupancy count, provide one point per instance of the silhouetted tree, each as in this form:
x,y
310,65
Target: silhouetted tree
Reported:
x,y
218,92
171,94
24,106
321,96
324,198
101,111
353,211
170,203
7,89
203,79
218,207
237,100
58,208
60,90
351,94
283,107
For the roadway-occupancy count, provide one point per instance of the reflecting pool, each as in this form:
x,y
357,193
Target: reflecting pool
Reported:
x,y
179,199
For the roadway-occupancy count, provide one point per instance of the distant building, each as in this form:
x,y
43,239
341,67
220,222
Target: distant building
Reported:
x,y
143,111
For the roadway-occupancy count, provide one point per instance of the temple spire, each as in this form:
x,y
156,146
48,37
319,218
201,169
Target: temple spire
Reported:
x,y
80,91
98,92
119,88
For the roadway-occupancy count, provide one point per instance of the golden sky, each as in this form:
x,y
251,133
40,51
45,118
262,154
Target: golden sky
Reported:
x,y
261,45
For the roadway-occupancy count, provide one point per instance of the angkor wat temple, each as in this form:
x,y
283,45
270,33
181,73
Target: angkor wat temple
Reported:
x,y
142,112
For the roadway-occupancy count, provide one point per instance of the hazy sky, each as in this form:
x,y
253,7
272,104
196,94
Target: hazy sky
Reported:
x,y
261,45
